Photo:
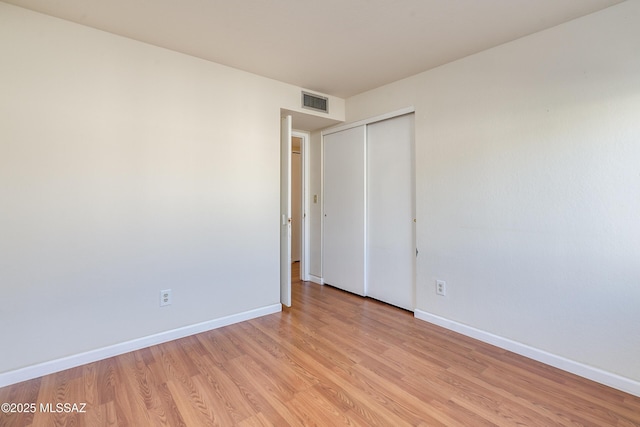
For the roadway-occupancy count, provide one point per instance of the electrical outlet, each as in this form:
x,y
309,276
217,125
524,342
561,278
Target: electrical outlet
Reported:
x,y
165,297
441,287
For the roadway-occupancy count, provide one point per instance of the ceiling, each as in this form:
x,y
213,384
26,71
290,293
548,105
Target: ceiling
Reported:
x,y
336,47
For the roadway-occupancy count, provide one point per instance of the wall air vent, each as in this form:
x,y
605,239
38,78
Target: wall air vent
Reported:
x,y
315,102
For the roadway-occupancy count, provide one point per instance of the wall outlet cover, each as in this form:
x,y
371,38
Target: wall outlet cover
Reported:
x,y
165,297
441,287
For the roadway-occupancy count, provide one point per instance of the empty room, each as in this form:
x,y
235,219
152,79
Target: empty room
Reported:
x,y
364,212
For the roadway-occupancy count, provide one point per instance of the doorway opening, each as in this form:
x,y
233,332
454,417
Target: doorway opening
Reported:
x,y
310,220
299,204
294,183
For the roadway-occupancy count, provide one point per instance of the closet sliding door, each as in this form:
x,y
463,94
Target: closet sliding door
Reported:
x,y
390,212
343,263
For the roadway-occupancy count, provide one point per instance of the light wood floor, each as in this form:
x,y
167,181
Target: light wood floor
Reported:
x,y
332,359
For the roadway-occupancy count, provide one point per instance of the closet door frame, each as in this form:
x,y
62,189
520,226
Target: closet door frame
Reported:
x,y
336,129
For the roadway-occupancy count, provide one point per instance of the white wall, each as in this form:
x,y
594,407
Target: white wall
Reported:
x,y
126,169
528,188
315,208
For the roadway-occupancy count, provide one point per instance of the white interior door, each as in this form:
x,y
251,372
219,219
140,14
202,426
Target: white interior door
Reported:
x,y
391,244
285,211
344,209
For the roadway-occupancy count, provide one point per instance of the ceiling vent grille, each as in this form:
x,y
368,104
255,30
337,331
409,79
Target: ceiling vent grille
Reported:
x,y
315,102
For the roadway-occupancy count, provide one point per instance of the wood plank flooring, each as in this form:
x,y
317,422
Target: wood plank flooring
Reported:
x,y
333,359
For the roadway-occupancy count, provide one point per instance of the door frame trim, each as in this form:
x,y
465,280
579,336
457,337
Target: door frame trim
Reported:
x,y
306,227
368,121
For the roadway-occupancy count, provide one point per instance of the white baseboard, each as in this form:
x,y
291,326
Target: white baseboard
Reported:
x,y
598,375
35,371
316,279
